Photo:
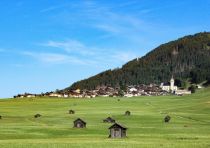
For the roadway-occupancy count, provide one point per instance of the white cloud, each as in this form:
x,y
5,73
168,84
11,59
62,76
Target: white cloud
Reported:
x,y
49,9
76,52
53,8
108,28
70,46
55,58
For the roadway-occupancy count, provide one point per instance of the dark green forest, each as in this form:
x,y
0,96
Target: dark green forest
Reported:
x,y
187,58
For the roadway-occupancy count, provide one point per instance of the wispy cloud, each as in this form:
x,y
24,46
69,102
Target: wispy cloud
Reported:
x,y
108,28
54,7
117,24
76,52
103,17
70,46
112,22
56,58
49,9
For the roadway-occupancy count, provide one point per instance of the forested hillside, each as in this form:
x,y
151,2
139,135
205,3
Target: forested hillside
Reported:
x,y
185,58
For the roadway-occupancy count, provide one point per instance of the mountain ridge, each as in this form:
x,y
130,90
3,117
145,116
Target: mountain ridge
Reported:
x,y
185,58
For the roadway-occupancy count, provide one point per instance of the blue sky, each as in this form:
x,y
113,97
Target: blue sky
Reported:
x,y
49,44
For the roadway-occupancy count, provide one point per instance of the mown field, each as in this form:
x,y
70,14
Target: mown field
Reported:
x,y
189,126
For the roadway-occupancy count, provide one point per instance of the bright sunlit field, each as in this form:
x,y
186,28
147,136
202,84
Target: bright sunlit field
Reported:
x,y
189,126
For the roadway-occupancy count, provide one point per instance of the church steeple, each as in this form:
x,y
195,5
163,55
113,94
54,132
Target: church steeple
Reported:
x,y
172,83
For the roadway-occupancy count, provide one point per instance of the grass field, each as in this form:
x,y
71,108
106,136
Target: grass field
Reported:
x,y
189,126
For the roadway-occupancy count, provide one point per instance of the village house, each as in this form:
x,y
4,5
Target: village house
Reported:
x,y
78,91
199,86
25,95
182,92
143,90
109,120
58,95
128,95
89,94
65,95
30,95
132,89
76,94
79,123
117,131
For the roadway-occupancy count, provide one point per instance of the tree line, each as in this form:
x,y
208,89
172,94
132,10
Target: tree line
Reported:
x,y
187,58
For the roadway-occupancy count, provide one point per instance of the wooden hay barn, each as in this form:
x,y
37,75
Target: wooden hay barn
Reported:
x,y
127,113
37,116
71,112
79,123
117,131
109,120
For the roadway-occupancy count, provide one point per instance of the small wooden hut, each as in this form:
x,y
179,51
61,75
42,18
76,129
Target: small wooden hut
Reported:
x,y
167,119
109,120
117,131
71,112
79,123
37,116
127,113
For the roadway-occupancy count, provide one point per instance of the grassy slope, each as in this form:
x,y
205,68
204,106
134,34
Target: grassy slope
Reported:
x,y
189,127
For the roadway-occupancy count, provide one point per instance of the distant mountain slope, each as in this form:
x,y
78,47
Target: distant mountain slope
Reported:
x,y
185,58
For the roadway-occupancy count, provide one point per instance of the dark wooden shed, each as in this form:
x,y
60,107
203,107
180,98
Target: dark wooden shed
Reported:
x,y
79,123
37,116
71,111
117,131
109,120
127,113
167,119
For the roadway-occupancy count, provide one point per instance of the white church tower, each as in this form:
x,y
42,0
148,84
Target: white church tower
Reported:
x,y
169,88
172,84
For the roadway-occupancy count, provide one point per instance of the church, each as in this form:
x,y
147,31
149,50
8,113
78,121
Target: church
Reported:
x,y
169,87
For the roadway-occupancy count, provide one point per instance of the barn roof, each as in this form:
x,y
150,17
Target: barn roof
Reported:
x,y
166,84
116,125
109,118
78,119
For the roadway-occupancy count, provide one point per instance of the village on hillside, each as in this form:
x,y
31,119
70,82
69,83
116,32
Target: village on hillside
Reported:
x,y
107,91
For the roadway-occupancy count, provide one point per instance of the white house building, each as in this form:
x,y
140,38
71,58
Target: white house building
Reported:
x,y
169,87
183,92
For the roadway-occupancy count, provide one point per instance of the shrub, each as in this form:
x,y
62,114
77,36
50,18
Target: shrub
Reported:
x,y
167,119
37,116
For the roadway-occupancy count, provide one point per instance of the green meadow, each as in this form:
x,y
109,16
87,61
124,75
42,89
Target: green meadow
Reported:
x,y
189,126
